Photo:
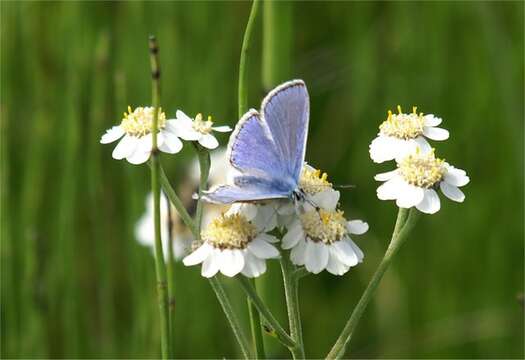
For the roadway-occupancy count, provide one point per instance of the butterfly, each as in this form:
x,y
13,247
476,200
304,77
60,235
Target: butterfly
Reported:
x,y
267,148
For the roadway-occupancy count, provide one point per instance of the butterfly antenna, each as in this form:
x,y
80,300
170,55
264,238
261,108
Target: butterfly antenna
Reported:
x,y
345,186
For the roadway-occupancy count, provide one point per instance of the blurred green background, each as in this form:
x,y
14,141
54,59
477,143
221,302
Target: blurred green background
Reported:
x,y
76,284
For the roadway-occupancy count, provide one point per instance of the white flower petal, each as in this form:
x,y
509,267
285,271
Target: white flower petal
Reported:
x,y
390,190
198,255
125,147
171,143
423,144
326,199
209,141
452,192
292,237
381,149
210,266
181,116
345,253
409,196
268,238
456,177
262,249
386,175
431,120
431,203
357,250
266,218
316,257
222,128
140,156
298,253
231,262
435,133
111,135
253,266
357,227
335,266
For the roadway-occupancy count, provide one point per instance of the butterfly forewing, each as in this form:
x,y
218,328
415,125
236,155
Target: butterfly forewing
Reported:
x,y
286,112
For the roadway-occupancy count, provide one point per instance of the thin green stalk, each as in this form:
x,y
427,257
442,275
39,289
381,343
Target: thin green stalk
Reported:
x,y
214,282
204,165
155,188
255,326
261,307
291,290
255,320
399,236
171,283
232,318
243,77
176,202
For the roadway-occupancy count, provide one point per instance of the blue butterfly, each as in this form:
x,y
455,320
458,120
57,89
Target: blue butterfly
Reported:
x,y
268,148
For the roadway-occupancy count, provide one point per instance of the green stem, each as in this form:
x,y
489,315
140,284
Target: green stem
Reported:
x,y
171,282
232,318
155,188
399,236
291,290
255,326
255,321
261,307
177,203
243,77
204,165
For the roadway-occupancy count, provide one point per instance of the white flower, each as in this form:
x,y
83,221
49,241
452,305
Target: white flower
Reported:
x,y
416,179
400,133
320,239
197,129
234,243
135,131
144,230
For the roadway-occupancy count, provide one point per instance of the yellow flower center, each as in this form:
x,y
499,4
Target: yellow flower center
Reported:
x,y
138,122
229,232
327,226
422,170
403,126
313,182
204,127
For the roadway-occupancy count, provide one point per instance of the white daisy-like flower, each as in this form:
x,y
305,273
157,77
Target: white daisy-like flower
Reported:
x,y
320,238
197,129
416,179
234,243
144,230
400,133
135,131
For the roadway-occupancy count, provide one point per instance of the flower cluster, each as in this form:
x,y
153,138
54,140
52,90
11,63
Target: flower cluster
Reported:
x,y
135,135
315,231
419,172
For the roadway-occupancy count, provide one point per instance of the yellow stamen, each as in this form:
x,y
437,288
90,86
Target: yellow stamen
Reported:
x,y
138,122
422,170
324,225
204,127
229,232
313,182
403,126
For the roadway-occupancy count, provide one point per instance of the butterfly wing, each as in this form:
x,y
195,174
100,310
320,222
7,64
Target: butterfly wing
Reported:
x,y
286,111
247,188
258,150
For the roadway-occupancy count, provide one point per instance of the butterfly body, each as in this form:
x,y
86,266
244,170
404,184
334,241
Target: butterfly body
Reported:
x,y
267,148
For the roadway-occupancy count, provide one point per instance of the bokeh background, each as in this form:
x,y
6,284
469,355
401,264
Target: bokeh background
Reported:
x,y
76,284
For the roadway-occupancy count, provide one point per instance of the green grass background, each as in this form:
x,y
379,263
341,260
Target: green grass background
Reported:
x,y
74,282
